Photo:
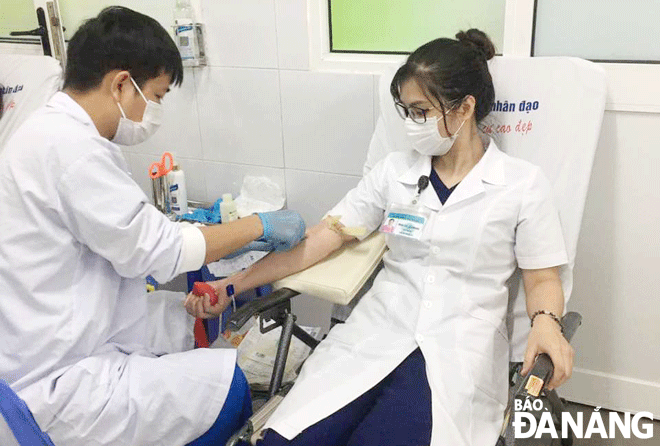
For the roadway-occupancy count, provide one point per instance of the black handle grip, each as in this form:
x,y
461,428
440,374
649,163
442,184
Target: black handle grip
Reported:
x,y
38,32
543,367
41,32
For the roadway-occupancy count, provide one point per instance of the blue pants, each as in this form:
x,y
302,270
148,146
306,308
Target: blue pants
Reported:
x,y
20,420
234,413
396,412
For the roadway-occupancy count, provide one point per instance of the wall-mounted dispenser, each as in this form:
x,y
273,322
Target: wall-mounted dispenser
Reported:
x,y
189,35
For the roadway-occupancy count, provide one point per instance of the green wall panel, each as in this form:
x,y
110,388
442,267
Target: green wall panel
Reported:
x,y
403,25
17,15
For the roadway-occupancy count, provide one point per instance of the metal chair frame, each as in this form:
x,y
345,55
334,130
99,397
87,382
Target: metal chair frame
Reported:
x,y
276,307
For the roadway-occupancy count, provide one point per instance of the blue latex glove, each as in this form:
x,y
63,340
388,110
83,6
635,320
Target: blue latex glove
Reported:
x,y
210,215
282,229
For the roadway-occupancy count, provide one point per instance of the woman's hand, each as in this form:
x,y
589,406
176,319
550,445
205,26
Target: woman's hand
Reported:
x,y
546,337
200,306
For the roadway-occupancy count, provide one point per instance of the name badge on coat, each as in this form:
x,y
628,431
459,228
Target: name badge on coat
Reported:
x,y
405,221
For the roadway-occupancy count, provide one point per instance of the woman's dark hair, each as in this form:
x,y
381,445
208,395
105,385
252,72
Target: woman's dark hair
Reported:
x,y
120,38
448,70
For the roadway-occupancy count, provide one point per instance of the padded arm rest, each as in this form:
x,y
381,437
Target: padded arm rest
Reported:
x,y
337,278
341,275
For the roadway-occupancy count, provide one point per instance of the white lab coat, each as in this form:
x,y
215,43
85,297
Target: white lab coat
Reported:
x,y
445,293
77,239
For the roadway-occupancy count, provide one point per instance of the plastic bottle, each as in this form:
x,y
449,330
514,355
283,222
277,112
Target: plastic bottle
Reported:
x,y
228,211
178,191
186,33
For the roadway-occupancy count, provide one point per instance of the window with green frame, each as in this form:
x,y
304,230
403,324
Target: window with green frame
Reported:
x,y
400,26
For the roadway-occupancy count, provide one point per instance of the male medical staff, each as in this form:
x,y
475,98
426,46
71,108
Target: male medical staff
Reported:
x,y
78,237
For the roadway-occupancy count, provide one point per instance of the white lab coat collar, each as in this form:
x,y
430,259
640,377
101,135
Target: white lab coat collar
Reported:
x,y
489,169
65,103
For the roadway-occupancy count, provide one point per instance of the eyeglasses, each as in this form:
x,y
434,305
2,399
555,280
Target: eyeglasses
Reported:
x,y
416,114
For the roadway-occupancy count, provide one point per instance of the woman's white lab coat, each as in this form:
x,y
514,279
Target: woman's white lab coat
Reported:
x,y
77,239
445,294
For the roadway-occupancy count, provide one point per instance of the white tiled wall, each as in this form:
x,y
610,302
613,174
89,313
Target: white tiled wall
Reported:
x,y
303,184
239,115
241,33
258,110
324,116
292,34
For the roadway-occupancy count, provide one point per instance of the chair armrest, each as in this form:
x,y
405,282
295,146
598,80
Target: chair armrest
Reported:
x,y
570,323
258,306
340,276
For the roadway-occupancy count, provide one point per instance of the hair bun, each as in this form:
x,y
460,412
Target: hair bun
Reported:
x,y
479,40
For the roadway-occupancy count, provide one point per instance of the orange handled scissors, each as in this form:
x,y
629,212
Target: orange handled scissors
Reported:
x,y
157,170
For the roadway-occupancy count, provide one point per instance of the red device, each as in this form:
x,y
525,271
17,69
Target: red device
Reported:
x,y
200,289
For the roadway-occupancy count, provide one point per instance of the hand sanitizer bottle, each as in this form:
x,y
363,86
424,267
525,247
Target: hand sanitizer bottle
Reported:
x,y
186,33
178,191
228,211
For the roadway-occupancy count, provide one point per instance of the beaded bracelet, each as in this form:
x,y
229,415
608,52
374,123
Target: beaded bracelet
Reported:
x,y
547,313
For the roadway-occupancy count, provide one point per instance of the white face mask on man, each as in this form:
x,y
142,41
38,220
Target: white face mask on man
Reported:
x,y
426,138
130,132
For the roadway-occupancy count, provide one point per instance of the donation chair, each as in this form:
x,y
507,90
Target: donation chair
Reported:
x,y
549,111
28,82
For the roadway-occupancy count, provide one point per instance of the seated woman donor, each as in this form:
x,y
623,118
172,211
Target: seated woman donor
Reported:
x,y
423,358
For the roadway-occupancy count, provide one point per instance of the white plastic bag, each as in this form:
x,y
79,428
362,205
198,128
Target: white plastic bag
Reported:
x,y
259,194
257,351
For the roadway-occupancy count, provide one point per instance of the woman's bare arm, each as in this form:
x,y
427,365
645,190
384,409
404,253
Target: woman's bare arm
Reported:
x,y
320,242
544,292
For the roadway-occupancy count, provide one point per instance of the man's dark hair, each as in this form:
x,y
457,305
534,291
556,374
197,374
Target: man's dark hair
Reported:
x,y
120,38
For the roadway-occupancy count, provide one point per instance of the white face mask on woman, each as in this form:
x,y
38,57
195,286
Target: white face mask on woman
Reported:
x,y
130,132
426,138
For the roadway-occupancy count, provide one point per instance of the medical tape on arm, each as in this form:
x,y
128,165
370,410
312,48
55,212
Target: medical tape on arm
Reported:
x,y
334,224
